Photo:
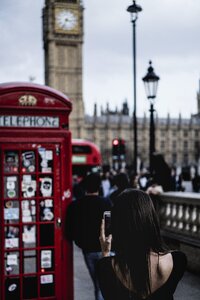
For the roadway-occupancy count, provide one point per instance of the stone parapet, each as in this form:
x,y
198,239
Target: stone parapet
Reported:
x,y
179,215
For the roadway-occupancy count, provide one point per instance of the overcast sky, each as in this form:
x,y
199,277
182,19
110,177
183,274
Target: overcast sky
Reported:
x,y
168,33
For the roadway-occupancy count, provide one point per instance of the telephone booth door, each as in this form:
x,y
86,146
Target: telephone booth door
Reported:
x,y
31,210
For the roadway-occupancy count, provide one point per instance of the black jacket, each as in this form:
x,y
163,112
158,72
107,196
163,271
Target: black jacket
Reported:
x,y
83,221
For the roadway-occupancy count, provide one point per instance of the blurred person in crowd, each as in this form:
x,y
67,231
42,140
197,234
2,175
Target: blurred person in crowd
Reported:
x,y
161,172
77,188
121,182
143,179
133,178
176,180
106,184
83,221
142,267
154,189
196,183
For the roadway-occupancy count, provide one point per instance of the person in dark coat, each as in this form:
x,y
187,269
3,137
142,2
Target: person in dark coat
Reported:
x,y
121,181
161,172
83,221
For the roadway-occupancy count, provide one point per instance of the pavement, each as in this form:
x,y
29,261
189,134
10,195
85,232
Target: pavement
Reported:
x,y
188,288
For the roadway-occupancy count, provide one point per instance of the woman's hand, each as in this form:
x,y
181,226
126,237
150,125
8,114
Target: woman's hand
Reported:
x,y
105,241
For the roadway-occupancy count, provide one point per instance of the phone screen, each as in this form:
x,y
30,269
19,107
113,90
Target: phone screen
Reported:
x,y
107,221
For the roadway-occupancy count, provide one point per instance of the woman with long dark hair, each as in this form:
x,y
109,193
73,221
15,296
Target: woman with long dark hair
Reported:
x,y
142,268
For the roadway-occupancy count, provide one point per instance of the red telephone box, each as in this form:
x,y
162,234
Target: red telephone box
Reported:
x,y
35,189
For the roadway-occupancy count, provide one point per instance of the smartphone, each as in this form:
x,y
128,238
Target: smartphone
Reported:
x,y
107,222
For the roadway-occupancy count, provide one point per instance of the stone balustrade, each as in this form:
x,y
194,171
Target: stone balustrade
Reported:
x,y
179,215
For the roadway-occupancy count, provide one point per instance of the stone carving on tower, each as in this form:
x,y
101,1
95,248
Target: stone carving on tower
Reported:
x,y
63,40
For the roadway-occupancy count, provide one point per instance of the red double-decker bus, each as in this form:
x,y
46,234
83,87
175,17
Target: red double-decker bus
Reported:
x,y
86,157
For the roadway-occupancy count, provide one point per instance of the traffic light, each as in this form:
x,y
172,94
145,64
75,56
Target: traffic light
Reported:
x,y
115,147
122,147
118,147
118,154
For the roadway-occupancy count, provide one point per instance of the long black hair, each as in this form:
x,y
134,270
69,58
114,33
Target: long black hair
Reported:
x,y
136,232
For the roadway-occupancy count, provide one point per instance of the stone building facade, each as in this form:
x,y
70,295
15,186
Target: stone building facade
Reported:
x,y
178,139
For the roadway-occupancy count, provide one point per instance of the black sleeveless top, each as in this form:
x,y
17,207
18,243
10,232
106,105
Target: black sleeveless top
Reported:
x,y
113,289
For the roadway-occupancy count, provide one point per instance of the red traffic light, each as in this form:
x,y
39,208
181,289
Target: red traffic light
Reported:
x,y
115,142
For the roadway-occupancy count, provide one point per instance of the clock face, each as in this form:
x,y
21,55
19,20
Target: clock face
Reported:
x,y
66,20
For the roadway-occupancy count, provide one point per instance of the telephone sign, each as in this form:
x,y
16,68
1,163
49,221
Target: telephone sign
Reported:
x,y
29,121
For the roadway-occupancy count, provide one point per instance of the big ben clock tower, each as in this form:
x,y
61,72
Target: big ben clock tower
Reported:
x,y
63,39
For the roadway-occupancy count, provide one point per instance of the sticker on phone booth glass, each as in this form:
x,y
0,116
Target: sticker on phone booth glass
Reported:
x,y
28,210
12,287
11,162
46,258
46,210
12,232
12,260
10,187
11,243
48,202
46,186
45,279
42,152
28,186
49,154
11,213
11,210
29,234
28,161
46,160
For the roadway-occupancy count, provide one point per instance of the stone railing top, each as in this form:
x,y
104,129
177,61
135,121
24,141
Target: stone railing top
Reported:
x,y
186,197
182,195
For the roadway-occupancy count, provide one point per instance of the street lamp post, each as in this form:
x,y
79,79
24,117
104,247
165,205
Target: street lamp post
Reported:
x,y
133,10
151,84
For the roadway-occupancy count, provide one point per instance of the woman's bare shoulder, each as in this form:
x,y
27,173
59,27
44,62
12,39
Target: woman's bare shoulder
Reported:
x,y
161,269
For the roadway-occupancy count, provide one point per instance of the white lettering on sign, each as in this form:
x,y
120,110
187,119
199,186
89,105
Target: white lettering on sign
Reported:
x,y
79,159
45,279
29,121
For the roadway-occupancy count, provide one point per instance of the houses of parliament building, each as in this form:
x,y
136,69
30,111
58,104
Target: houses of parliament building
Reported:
x,y
178,139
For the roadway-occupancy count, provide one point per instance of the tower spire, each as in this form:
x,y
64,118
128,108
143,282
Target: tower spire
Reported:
x,y
198,99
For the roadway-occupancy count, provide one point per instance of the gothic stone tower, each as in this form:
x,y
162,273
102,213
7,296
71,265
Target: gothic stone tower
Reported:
x,y
63,40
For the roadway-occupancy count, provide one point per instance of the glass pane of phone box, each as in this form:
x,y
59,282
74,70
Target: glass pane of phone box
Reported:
x,y
29,288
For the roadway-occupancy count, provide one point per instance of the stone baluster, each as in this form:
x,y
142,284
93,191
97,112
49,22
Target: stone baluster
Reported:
x,y
174,215
168,214
194,220
180,217
186,218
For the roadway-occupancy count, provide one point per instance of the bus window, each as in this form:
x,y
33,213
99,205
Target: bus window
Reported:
x,y
86,157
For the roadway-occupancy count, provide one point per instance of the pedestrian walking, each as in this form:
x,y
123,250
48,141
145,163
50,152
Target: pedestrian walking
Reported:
x,y
142,267
106,184
83,221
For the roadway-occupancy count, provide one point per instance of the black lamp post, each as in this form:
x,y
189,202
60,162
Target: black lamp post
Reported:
x,y
151,84
134,9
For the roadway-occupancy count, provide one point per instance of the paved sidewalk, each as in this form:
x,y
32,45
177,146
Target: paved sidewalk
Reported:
x,y
83,288
188,288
